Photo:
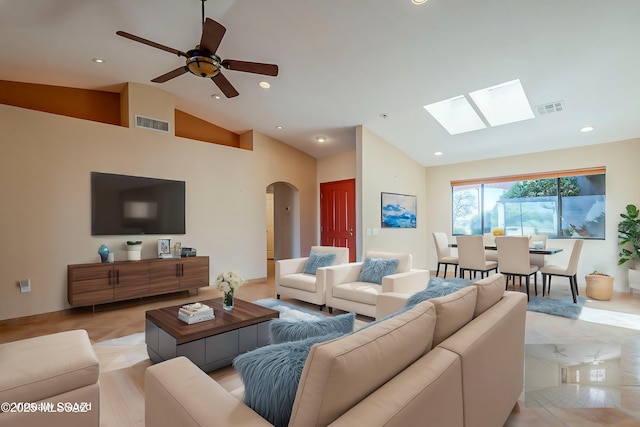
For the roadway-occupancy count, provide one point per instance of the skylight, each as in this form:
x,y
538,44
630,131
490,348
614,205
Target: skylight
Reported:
x,y
456,115
500,104
503,103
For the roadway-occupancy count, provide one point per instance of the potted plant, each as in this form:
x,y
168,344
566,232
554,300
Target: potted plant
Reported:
x,y
133,250
629,235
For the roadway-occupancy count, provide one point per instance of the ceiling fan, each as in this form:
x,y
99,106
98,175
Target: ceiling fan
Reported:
x,y
202,61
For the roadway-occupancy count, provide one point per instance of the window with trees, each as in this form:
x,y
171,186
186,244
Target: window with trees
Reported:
x,y
559,204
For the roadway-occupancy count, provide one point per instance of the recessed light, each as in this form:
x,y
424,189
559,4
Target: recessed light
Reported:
x,y
438,153
321,138
264,85
418,1
215,96
98,60
587,129
279,127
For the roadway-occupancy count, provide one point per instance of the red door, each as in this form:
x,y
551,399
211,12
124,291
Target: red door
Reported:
x,y
338,215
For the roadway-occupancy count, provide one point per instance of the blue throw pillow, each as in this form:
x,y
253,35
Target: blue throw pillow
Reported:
x,y
437,288
286,330
374,269
271,375
317,260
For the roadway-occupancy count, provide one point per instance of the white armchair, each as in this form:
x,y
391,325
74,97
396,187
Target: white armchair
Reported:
x,y
346,292
292,282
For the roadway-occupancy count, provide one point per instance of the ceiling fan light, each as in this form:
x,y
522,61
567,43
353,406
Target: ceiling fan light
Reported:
x,y
203,65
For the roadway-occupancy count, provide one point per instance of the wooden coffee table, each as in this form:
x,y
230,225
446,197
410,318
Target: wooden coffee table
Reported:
x,y
211,344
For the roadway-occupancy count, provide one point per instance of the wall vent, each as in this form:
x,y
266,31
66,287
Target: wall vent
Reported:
x,y
153,124
551,107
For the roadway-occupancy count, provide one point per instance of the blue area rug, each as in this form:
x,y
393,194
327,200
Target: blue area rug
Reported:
x,y
290,311
564,307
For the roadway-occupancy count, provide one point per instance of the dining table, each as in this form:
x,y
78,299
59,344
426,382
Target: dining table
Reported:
x,y
536,251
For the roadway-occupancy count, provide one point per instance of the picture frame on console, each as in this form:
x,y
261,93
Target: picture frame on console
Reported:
x,y
164,248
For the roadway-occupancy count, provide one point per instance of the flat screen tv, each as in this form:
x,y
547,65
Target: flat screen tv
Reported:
x,y
123,204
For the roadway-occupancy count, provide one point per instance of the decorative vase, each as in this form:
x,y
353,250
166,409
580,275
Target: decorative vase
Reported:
x,y
133,252
103,251
227,301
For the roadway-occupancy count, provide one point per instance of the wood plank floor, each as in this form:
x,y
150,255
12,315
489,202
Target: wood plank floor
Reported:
x,y
122,368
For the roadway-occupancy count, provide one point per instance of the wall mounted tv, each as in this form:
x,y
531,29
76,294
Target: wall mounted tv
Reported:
x,y
125,205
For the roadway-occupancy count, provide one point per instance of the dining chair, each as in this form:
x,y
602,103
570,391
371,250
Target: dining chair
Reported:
x,y
569,271
513,260
537,259
490,240
444,254
472,258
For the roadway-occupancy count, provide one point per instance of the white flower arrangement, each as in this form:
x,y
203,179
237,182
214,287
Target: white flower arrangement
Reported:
x,y
229,281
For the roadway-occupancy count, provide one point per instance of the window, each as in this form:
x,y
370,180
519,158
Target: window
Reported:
x,y
560,204
597,375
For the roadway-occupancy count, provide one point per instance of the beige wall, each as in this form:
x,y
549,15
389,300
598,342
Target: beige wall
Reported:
x,y
623,175
45,165
381,167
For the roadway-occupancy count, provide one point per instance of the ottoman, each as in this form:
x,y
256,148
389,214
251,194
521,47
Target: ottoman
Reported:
x,y
50,380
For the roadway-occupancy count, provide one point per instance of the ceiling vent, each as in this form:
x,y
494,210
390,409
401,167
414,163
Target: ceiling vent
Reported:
x,y
153,124
551,107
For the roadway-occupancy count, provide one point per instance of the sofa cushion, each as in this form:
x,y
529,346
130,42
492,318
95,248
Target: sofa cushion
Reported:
x,y
404,259
453,311
342,253
437,287
271,374
374,269
317,260
37,368
285,330
305,282
490,291
363,292
340,373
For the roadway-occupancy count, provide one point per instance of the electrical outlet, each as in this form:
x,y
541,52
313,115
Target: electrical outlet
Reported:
x,y
25,285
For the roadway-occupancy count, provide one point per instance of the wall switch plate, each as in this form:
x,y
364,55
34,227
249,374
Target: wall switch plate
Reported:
x,y
25,286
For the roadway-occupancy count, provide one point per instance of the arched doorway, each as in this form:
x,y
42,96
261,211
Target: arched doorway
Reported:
x,y
283,221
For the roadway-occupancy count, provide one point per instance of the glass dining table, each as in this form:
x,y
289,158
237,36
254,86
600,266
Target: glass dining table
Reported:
x,y
533,251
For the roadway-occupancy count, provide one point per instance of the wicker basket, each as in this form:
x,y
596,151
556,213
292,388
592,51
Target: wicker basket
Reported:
x,y
599,286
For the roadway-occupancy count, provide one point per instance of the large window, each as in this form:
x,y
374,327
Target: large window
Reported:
x,y
560,204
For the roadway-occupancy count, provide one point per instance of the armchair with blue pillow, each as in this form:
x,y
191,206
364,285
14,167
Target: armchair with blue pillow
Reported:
x,y
304,278
354,287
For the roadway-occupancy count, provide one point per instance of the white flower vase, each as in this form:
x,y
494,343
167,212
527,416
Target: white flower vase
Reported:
x,y
133,252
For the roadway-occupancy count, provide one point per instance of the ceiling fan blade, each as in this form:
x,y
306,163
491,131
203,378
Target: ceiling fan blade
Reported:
x,y
170,75
212,34
225,86
150,43
251,67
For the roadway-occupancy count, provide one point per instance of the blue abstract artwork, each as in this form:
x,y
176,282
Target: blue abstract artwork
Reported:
x,y
398,210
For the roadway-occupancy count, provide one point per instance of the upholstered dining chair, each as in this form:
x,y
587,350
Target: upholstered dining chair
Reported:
x,y
444,254
569,271
513,260
472,257
534,241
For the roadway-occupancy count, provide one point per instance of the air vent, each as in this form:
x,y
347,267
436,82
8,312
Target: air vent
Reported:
x,y
551,107
153,124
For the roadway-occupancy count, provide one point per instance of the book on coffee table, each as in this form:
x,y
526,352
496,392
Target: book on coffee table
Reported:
x,y
195,313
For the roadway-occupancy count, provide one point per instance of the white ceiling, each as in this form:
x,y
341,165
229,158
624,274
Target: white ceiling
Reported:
x,y
345,63
573,354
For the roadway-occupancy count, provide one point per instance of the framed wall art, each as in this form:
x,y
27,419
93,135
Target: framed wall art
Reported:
x,y
398,210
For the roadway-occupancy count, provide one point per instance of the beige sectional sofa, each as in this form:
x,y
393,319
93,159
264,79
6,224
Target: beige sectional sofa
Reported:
x,y
51,380
452,361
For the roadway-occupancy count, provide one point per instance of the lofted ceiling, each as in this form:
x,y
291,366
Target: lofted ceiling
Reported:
x,y
356,62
